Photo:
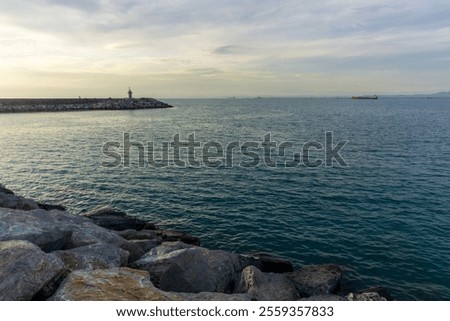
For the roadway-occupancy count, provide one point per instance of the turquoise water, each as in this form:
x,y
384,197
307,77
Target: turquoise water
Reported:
x,y
385,217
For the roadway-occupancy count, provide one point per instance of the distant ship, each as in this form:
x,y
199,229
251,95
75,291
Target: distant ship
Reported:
x,y
365,97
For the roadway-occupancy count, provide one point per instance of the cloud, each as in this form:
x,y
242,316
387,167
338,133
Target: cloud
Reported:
x,y
261,41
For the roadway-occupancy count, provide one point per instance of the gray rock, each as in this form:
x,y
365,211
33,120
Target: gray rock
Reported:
x,y
267,262
26,271
314,280
366,296
113,219
116,284
17,202
56,230
266,286
51,207
173,236
180,267
146,245
5,190
131,234
383,292
92,257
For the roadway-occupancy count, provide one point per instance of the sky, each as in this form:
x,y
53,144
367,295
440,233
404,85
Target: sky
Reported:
x,y
223,48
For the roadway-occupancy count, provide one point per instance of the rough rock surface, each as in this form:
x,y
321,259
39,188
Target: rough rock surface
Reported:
x,y
117,220
26,271
117,284
92,257
314,280
266,286
180,267
8,200
325,297
366,296
56,230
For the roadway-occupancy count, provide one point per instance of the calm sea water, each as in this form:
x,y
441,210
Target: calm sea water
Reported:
x,y
385,217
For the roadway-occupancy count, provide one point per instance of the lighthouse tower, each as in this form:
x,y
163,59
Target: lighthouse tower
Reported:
x,y
130,93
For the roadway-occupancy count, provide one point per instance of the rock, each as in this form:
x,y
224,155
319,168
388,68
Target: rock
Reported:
x,y
325,297
132,234
146,245
5,190
117,284
26,271
314,280
267,262
173,236
213,296
113,219
17,202
180,267
383,292
56,230
92,257
367,296
50,207
266,286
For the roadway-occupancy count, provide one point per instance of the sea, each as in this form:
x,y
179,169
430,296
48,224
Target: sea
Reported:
x,y
361,183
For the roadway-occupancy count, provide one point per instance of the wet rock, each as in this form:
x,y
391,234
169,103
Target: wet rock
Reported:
x,y
266,286
92,257
117,284
26,271
191,268
17,202
267,262
314,280
113,219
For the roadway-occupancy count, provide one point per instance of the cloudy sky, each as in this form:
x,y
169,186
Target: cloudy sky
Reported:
x,y
175,48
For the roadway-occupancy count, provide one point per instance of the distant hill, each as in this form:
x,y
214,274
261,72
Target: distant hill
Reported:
x,y
442,94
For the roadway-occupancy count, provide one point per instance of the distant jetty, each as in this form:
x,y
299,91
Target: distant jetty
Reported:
x,y
365,97
77,104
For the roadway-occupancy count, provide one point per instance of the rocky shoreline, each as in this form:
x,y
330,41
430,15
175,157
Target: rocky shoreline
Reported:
x,y
48,253
81,104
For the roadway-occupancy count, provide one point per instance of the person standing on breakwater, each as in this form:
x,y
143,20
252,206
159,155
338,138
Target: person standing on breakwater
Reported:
x,y
130,93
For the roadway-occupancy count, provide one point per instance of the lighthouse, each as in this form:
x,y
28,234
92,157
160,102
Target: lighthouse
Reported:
x,y
130,93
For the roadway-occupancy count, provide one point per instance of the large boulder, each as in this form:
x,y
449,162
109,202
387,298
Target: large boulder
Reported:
x,y
92,257
26,271
112,219
180,267
261,286
159,236
56,230
117,284
314,280
8,200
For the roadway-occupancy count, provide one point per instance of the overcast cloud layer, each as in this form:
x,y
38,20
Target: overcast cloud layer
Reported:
x,y
223,48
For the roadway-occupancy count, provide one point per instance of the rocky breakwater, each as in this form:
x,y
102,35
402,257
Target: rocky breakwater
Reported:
x,y
60,105
47,253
